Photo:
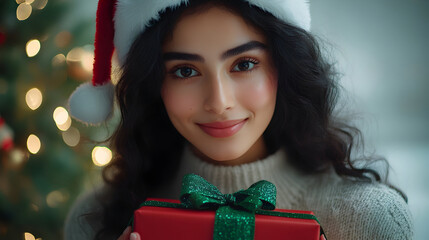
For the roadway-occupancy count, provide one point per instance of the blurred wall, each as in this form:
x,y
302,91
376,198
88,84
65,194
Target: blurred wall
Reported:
x,y
382,50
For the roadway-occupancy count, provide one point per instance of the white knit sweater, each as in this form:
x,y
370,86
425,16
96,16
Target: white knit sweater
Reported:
x,y
346,209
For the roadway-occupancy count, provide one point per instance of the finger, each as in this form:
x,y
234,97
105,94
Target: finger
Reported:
x,y
126,234
135,236
322,237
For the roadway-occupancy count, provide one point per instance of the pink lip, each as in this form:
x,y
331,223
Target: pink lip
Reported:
x,y
222,129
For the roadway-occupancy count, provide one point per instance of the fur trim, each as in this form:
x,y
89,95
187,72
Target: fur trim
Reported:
x,y
295,12
133,16
92,104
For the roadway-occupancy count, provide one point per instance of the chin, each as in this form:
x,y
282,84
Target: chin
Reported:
x,y
224,155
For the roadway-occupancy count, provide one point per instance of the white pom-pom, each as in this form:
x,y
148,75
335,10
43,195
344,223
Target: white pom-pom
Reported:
x,y
92,104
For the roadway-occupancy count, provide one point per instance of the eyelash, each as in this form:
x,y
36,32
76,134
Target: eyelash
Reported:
x,y
241,60
174,70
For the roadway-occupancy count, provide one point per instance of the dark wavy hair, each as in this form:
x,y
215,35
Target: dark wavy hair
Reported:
x,y
148,148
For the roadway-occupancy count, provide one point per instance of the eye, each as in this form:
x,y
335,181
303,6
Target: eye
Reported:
x,y
185,72
245,65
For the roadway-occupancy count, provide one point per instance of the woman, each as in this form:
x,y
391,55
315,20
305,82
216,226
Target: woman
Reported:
x,y
235,91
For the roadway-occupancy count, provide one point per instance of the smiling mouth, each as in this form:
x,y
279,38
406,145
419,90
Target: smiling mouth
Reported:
x,y
222,129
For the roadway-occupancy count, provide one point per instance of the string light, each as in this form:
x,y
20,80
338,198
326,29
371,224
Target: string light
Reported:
x,y
60,115
87,61
23,11
55,198
62,118
83,56
40,4
66,125
17,156
33,144
101,156
34,98
58,60
71,137
32,47
75,55
29,236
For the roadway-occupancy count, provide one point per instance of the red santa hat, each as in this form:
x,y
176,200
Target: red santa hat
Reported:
x,y
119,22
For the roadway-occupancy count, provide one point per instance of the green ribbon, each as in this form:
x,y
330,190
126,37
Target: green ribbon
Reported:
x,y
235,213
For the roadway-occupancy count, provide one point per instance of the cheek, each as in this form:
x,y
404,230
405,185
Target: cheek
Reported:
x,y
178,102
259,93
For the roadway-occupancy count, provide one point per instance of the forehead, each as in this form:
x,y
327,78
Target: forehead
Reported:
x,y
213,27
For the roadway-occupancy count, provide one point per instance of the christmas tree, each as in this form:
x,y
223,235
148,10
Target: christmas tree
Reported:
x,y
47,158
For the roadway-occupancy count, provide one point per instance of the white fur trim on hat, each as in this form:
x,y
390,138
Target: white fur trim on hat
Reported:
x,y
295,12
133,17
92,104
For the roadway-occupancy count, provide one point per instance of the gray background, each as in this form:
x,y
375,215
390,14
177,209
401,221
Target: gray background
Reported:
x,y
382,49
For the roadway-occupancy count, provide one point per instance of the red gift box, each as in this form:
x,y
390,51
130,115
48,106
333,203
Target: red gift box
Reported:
x,y
175,223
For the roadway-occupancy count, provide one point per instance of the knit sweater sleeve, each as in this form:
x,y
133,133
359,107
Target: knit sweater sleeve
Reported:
x,y
83,220
356,210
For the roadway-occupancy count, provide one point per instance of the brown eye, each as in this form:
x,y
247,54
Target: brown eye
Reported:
x,y
244,66
185,72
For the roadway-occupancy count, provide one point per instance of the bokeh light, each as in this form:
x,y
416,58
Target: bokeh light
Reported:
x,y
23,11
71,137
101,156
29,1
40,4
87,61
34,98
84,56
33,144
55,198
17,156
32,47
75,55
65,126
58,60
29,236
61,116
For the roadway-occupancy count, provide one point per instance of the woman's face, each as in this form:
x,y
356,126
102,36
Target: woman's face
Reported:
x,y
220,85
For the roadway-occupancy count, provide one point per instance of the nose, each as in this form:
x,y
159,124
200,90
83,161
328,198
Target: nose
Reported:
x,y
220,97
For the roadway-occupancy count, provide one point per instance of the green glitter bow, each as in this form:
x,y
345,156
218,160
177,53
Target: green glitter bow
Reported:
x,y
235,214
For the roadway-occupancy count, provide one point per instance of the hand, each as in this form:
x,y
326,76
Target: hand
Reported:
x,y
322,237
128,235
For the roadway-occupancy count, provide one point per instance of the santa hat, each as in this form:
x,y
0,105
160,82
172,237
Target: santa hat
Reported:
x,y
119,22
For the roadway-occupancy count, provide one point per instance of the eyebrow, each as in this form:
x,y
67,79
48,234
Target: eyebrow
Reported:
x,y
168,56
182,56
243,48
